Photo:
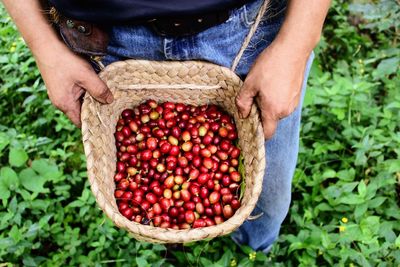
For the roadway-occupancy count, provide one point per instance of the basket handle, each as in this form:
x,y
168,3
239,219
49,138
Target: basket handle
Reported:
x,y
261,12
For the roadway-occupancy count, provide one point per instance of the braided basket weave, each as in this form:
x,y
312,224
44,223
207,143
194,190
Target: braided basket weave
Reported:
x,y
195,83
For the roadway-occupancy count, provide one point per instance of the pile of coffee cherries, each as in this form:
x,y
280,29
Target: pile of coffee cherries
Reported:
x,y
177,165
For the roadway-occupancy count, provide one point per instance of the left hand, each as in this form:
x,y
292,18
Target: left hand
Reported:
x,y
275,79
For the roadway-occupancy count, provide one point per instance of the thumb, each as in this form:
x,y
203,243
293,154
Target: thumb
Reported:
x,y
244,99
97,88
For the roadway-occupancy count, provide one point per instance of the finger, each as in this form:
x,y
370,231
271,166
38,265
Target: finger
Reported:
x,y
75,116
244,99
70,105
269,121
269,125
96,88
72,110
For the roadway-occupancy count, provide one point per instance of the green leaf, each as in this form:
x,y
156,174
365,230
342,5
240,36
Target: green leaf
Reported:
x,y
225,259
29,99
340,113
141,262
386,231
9,178
46,169
245,263
246,249
376,202
323,207
4,141
309,97
4,192
351,199
32,182
206,262
329,174
15,234
360,210
17,157
346,175
397,242
393,165
179,255
296,246
261,256
29,261
362,189
325,240
370,225
76,203
3,59
386,67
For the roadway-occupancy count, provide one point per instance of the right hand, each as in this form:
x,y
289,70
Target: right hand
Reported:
x,y
67,76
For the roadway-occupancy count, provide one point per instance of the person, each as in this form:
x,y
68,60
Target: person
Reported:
x,y
274,67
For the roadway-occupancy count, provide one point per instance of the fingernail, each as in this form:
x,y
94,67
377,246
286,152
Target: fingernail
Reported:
x,y
110,98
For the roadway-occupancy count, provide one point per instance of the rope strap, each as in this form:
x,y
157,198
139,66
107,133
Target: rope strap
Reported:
x,y
253,29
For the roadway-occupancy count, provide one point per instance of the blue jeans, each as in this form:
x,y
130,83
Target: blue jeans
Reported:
x,y
219,45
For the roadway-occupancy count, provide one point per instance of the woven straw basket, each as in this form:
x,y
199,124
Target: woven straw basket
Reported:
x,y
191,82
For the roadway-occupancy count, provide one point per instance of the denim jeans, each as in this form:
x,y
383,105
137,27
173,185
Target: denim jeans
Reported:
x,y
219,45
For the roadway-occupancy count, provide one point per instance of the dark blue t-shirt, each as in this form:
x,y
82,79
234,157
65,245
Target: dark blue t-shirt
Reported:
x,y
108,11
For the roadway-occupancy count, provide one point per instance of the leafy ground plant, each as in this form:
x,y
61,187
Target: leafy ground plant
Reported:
x,y
345,209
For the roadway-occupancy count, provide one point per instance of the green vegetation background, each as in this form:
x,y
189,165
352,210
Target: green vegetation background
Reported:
x,y
345,209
